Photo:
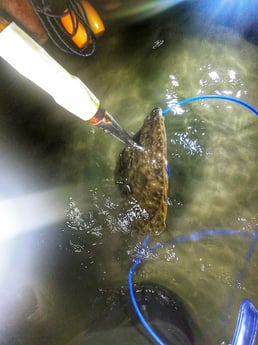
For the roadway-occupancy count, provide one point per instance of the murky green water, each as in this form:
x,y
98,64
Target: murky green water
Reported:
x,y
212,152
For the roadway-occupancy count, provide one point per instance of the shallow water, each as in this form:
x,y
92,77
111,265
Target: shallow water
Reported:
x,y
85,248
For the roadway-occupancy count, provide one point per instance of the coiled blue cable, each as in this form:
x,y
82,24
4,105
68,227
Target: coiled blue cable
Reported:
x,y
202,97
248,315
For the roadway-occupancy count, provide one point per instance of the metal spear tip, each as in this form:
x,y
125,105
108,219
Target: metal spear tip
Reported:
x,y
111,126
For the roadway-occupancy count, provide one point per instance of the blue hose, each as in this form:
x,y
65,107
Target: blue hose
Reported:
x,y
248,314
247,322
135,305
225,98
133,299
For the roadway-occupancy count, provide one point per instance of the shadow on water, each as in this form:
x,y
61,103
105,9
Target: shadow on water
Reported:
x,y
54,291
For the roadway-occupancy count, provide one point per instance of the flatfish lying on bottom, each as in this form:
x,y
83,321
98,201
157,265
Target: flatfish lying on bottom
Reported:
x,y
143,176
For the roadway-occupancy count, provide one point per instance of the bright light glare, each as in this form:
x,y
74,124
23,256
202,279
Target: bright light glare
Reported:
x,y
138,10
236,12
30,212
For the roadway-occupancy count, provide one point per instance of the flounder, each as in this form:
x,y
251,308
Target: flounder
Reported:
x,y
143,175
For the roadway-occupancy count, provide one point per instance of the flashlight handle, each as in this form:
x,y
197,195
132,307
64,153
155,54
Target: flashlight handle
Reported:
x,y
34,63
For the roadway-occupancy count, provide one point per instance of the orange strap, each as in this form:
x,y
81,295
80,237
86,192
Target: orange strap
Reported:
x,y
3,24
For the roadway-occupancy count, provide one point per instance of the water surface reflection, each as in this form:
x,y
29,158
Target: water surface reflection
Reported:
x,y
54,278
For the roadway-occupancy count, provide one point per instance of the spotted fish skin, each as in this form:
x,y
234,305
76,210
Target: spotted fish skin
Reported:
x,y
143,175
